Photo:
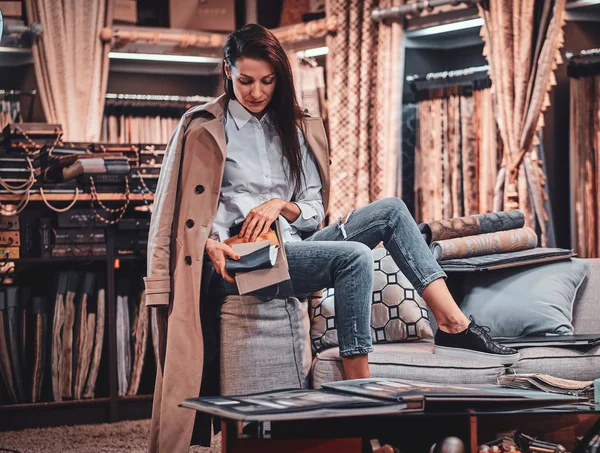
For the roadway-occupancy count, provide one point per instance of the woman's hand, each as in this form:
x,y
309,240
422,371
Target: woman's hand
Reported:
x,y
259,219
218,253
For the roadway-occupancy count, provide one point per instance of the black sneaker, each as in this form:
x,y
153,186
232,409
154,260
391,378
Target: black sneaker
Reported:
x,y
474,343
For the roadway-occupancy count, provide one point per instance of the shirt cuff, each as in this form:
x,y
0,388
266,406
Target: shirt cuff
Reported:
x,y
308,216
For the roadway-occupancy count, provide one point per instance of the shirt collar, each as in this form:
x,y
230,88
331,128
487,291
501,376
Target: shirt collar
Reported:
x,y
241,116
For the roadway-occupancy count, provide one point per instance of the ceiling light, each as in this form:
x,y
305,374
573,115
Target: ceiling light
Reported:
x,y
163,57
316,52
446,28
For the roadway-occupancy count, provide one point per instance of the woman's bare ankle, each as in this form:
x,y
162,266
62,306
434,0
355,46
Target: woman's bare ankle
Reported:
x,y
356,367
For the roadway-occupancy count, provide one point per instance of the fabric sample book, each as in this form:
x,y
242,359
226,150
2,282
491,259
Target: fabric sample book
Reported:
x,y
5,365
58,321
90,386
140,342
12,310
85,321
39,346
123,339
67,336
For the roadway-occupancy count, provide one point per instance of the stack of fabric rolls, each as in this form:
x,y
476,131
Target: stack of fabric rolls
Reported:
x,y
478,235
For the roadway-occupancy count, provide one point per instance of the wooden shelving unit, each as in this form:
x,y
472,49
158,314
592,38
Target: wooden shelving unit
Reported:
x,y
82,197
110,408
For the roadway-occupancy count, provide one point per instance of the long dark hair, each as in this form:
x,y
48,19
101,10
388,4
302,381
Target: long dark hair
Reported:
x,y
254,41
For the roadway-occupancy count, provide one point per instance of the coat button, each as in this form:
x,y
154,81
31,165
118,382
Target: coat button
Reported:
x,y
188,260
199,189
189,223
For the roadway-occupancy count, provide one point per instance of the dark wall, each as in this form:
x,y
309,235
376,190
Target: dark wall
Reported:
x,y
422,61
23,78
578,36
171,84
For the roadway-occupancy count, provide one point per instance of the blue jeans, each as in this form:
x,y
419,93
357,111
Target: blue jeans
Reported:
x,y
340,256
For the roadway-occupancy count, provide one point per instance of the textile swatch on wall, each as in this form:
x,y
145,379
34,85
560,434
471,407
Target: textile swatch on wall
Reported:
x,y
585,166
456,156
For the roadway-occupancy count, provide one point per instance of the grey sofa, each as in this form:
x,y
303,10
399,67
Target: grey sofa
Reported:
x,y
415,360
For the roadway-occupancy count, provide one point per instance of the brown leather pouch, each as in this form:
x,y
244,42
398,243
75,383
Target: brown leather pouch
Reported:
x,y
270,235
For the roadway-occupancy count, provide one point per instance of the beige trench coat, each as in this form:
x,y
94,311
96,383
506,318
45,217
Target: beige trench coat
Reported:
x,y
185,205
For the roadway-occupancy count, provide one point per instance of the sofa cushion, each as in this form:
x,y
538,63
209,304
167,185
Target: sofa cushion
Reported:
x,y
529,300
415,360
398,313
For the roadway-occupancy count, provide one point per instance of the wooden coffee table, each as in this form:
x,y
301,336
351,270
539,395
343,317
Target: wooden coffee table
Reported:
x,y
413,432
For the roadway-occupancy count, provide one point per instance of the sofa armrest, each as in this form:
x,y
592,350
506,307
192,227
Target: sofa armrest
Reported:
x,y
586,310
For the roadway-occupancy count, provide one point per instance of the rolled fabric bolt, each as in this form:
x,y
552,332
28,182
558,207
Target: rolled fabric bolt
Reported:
x,y
484,244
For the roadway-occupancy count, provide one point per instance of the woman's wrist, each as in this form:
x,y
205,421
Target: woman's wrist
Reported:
x,y
290,210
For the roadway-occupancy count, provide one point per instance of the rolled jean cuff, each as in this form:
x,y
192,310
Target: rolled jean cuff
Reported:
x,y
356,351
426,281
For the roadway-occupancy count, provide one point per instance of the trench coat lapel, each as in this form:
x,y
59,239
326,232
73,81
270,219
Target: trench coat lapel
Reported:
x,y
314,134
217,131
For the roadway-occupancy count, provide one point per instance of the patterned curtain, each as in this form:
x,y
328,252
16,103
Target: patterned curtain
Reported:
x,y
522,42
585,165
456,156
365,69
71,63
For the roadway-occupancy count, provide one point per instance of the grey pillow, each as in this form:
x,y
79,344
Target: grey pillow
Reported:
x,y
530,300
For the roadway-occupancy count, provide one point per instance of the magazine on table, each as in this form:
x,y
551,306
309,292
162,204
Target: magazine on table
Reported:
x,y
360,397
297,405
405,390
547,383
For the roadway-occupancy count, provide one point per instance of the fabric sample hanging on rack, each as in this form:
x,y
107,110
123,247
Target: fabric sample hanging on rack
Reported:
x,y
309,83
585,165
10,112
140,342
133,129
456,156
138,118
90,385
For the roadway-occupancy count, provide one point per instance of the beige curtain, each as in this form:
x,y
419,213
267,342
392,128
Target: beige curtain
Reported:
x,y
365,69
585,165
456,157
71,63
523,58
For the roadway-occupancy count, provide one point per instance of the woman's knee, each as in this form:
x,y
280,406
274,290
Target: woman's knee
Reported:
x,y
392,207
360,255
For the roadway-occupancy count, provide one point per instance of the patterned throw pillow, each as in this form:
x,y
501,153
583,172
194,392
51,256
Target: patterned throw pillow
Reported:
x,y
398,313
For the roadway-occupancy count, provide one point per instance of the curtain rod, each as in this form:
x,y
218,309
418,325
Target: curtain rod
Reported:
x,y
417,7
447,74
589,53
18,92
158,97
290,34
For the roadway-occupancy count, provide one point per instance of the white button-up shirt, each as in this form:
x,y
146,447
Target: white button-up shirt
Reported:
x,y
255,172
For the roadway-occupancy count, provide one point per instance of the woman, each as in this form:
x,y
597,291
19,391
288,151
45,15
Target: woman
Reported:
x,y
249,158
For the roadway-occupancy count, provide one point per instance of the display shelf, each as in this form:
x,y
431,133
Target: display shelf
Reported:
x,y
129,257
59,259
126,398
134,407
55,413
53,404
67,197
110,407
